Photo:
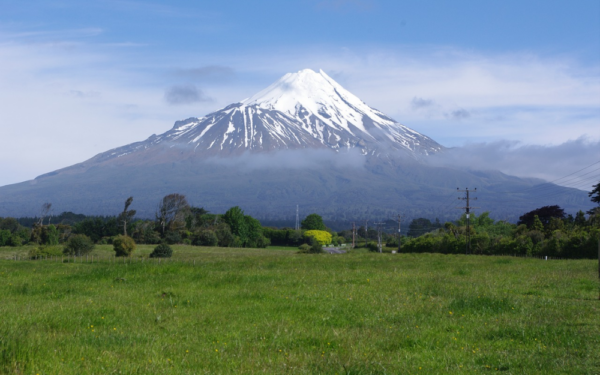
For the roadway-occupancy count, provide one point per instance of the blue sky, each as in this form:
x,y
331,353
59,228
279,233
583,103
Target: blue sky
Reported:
x,y
78,78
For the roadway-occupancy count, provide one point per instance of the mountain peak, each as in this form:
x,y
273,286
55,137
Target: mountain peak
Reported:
x,y
319,96
301,110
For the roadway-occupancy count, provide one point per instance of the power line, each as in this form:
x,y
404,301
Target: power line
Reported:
x,y
549,183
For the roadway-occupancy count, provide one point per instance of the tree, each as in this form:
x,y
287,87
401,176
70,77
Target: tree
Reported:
x,y
44,211
579,219
595,194
78,244
235,218
313,222
537,224
127,215
419,226
171,212
11,224
255,232
206,237
544,214
194,218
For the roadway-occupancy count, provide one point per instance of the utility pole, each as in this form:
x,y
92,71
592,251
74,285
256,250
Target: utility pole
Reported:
x,y
468,209
399,230
379,230
366,232
297,218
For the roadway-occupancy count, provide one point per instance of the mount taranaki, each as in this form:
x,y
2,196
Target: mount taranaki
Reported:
x,y
303,140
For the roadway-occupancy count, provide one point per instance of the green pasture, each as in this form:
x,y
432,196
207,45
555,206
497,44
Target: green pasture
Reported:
x,y
272,311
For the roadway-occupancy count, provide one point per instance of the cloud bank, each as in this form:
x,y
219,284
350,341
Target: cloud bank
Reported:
x,y
574,163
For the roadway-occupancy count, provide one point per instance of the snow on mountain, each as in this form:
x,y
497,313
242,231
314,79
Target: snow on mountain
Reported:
x,y
301,110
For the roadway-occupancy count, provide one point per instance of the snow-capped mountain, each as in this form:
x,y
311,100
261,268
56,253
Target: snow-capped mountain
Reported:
x,y
301,110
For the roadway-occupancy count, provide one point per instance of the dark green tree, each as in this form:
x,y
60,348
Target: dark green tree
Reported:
x,y
419,226
595,194
162,251
78,244
254,232
235,218
313,222
544,214
10,224
206,237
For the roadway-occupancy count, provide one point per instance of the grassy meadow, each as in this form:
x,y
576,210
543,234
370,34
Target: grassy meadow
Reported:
x,y
272,311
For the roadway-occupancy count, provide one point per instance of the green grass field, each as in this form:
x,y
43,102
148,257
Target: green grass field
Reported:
x,y
272,311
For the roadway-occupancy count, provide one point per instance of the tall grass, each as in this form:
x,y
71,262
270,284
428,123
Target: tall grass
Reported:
x,y
275,311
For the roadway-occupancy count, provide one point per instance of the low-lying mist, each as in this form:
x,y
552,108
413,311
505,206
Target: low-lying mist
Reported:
x,y
294,159
553,162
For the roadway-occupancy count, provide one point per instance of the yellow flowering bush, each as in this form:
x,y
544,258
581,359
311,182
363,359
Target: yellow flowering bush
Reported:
x,y
322,237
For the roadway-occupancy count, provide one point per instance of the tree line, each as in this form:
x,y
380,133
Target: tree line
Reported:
x,y
175,222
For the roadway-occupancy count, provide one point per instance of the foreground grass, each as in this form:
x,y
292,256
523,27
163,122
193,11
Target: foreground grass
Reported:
x,y
274,311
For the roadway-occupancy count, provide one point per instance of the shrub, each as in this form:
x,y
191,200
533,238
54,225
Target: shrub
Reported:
x,y
315,248
15,240
372,246
124,246
173,237
78,244
321,236
206,237
45,251
4,237
263,242
237,242
304,248
162,251
226,238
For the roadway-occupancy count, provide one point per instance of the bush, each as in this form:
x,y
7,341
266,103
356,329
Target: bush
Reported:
x,y
304,248
173,238
226,238
15,240
206,237
372,246
315,248
78,244
162,251
392,242
45,251
237,242
324,238
4,237
262,242
124,246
